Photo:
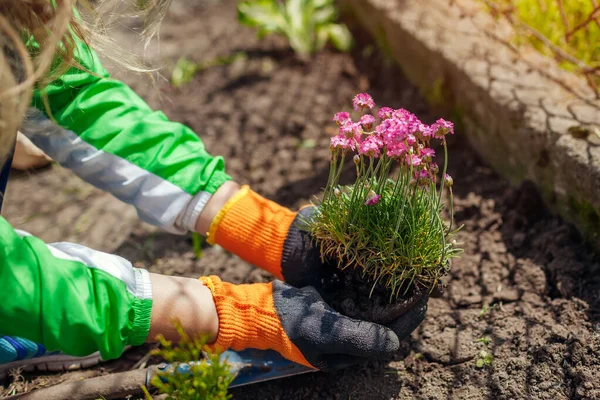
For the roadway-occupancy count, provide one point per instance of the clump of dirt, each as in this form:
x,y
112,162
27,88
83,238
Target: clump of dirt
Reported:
x,y
359,298
526,290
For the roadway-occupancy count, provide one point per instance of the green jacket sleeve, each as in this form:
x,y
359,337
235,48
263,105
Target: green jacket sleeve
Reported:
x,y
110,137
71,298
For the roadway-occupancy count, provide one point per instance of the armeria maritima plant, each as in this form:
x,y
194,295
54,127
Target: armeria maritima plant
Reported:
x,y
389,224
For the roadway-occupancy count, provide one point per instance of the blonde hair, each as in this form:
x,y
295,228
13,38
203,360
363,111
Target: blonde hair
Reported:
x,y
56,27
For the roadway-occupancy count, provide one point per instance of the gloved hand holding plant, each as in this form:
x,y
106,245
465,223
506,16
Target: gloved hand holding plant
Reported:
x,y
373,250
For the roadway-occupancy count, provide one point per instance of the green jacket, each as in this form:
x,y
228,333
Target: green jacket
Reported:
x,y
72,298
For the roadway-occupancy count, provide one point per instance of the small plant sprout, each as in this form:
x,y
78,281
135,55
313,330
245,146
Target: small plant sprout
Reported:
x,y
307,24
185,69
484,310
484,359
391,229
205,380
483,340
487,308
197,241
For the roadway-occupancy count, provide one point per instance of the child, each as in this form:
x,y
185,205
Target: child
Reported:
x,y
69,298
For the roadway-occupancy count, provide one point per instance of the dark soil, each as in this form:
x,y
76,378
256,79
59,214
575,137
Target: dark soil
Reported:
x,y
526,289
361,299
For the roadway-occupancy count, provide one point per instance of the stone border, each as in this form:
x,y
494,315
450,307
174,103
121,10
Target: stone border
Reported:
x,y
527,117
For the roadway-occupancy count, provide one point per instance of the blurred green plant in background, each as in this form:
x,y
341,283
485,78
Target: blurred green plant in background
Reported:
x,y
308,24
566,30
185,69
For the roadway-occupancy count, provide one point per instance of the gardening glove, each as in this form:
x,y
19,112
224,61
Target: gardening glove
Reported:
x,y
271,237
296,323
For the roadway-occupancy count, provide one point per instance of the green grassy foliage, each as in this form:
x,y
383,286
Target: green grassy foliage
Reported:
x,y
400,240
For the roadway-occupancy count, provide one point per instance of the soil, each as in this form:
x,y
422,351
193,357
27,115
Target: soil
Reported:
x,y
361,299
526,290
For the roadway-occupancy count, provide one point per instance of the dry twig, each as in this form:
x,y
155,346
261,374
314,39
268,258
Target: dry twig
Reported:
x,y
111,386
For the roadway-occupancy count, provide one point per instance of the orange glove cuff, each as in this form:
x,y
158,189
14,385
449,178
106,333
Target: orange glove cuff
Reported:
x,y
248,319
253,228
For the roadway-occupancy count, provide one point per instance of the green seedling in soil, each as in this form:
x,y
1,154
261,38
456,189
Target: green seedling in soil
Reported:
x,y
185,69
205,380
391,229
307,24
484,310
484,359
483,340
197,241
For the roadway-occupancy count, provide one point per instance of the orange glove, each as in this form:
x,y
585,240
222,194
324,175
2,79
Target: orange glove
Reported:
x,y
296,323
253,228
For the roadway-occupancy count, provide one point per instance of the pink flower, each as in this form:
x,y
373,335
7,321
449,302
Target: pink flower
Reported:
x,y
363,100
448,181
433,167
427,154
397,150
393,131
367,121
341,118
405,115
373,199
370,146
350,129
385,113
385,126
441,128
410,139
413,159
423,177
420,130
342,142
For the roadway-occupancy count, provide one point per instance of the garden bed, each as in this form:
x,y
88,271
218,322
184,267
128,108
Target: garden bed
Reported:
x,y
525,290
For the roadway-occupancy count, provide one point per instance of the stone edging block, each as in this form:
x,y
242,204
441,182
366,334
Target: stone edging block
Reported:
x,y
527,117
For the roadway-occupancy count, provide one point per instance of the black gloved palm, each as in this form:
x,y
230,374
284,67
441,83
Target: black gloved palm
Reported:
x,y
327,339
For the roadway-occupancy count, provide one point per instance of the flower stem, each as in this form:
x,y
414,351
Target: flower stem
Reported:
x,y
332,167
443,173
339,170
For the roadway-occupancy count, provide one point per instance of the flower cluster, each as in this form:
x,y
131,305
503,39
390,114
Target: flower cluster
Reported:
x,y
389,224
400,135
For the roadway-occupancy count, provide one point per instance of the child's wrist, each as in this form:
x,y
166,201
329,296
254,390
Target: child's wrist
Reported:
x,y
214,205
